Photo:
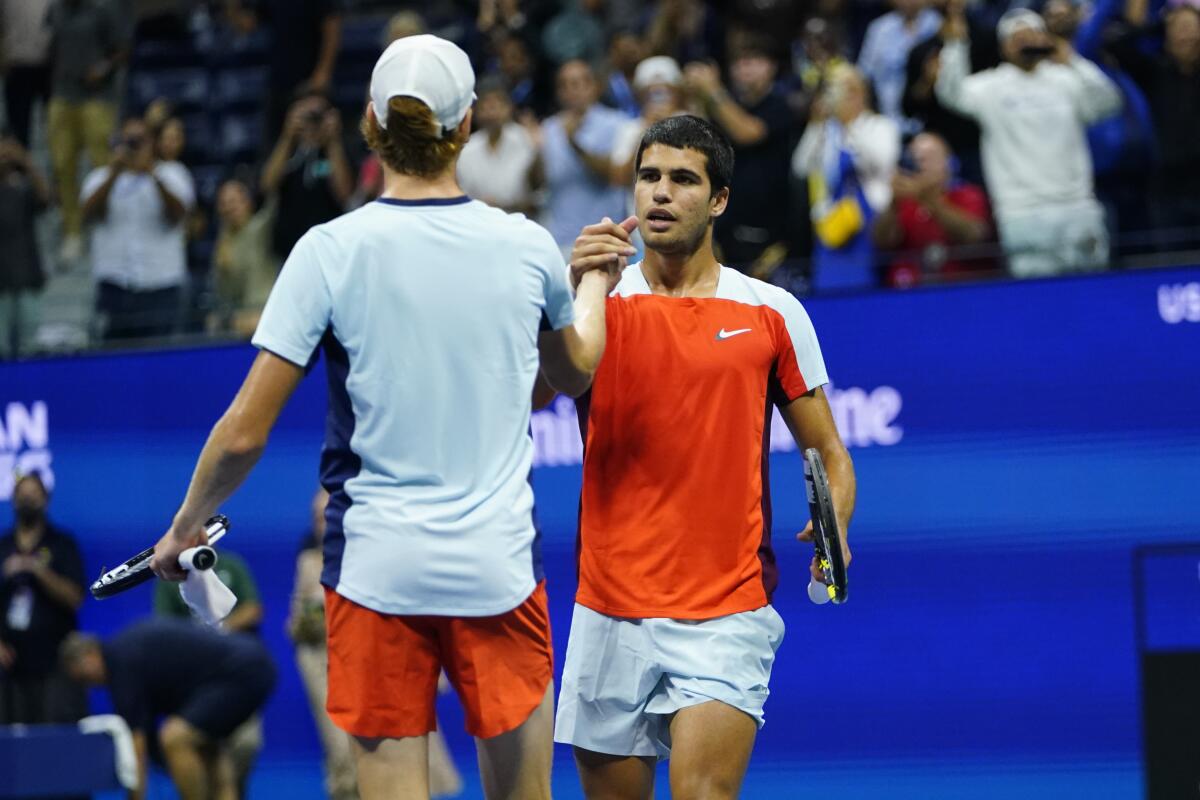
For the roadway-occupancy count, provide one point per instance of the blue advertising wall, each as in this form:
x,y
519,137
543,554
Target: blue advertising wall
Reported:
x,y
1013,443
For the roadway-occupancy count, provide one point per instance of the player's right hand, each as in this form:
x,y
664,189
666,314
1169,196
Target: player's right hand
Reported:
x,y
603,246
165,563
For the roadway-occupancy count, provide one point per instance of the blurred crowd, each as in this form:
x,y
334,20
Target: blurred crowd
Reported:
x,y
181,147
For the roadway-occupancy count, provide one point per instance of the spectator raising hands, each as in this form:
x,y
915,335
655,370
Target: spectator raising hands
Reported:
x,y
308,172
1033,111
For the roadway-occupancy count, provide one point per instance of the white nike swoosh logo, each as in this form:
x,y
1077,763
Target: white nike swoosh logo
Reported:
x,y
724,334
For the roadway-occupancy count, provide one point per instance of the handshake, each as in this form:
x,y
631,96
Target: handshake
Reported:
x,y
603,248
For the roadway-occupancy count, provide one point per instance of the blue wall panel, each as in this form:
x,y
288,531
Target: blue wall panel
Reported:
x,y
1014,442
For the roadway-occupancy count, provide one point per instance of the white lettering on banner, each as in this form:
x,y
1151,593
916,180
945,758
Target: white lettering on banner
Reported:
x,y
1179,302
24,445
556,441
863,418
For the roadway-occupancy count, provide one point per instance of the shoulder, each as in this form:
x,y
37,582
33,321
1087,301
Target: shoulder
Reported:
x,y
883,23
742,288
516,229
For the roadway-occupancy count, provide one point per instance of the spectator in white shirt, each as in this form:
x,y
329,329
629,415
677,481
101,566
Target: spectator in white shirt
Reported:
x,y
884,55
500,164
136,207
1034,111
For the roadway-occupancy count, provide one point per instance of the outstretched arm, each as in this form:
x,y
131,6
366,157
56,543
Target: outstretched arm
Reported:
x,y
232,450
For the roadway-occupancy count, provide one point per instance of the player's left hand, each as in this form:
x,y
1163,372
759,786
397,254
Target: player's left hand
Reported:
x,y
806,535
165,563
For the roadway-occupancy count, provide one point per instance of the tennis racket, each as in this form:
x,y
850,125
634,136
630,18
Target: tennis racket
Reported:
x,y
136,570
827,538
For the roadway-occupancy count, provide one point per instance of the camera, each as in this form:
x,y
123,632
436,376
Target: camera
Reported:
x,y
133,142
314,116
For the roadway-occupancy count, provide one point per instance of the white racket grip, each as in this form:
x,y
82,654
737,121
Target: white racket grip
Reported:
x,y
818,592
198,558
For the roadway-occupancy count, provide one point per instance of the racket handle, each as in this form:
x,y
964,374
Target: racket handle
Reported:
x,y
198,558
818,592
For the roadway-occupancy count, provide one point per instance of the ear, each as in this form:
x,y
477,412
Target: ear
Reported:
x,y
369,113
718,203
464,128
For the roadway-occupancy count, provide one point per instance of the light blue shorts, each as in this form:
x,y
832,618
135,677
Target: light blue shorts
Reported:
x,y
625,678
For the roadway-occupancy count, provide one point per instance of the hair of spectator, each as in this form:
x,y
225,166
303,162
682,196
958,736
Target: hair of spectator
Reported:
x,y
31,475
492,84
751,45
413,143
693,133
77,645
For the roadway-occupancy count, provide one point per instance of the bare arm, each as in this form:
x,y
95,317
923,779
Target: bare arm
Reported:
x,y
143,765
598,165
95,205
341,176
743,128
886,232
963,228
173,208
61,590
244,617
331,42
276,166
543,392
232,450
811,423
571,355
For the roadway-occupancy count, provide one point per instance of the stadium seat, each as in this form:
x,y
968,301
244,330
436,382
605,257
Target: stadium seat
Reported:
x,y
185,88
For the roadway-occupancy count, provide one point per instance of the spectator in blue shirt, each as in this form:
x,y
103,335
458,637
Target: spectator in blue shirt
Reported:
x,y
884,55
577,153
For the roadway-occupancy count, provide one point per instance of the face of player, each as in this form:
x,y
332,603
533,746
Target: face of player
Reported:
x,y
674,199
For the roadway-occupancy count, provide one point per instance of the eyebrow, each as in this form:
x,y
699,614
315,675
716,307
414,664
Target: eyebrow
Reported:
x,y
677,173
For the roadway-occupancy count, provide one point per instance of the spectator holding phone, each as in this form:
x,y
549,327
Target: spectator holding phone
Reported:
x,y
136,207
23,195
308,173
932,214
1034,111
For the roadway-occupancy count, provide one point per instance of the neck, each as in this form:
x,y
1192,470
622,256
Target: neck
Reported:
x,y
30,532
397,186
693,274
493,135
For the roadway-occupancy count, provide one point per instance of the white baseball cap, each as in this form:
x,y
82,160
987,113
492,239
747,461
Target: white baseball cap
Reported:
x,y
431,69
1019,19
657,70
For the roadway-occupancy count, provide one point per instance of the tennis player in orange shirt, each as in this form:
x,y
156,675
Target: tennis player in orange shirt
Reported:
x,y
673,635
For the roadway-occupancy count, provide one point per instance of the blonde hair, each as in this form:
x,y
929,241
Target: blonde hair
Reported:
x,y
413,143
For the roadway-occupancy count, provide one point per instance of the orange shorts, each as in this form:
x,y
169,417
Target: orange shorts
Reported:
x,y
383,668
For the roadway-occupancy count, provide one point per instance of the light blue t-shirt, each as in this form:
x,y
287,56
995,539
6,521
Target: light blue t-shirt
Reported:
x,y
579,197
428,314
